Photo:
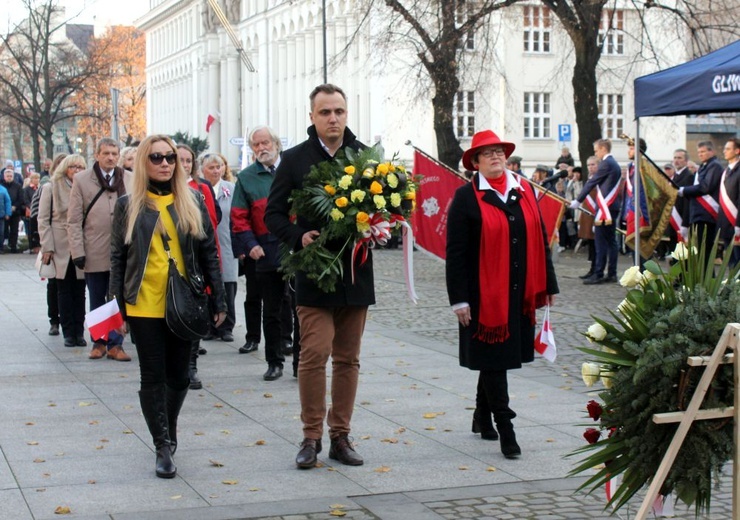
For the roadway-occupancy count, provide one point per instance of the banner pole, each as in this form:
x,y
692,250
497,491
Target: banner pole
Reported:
x,y
636,193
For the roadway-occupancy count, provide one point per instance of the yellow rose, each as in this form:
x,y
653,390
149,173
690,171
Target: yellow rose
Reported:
x,y
341,202
379,201
631,277
330,189
395,200
410,195
382,169
362,217
392,167
376,188
392,180
349,169
345,182
368,173
335,214
357,195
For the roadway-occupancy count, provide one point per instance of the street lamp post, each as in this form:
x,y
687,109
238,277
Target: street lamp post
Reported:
x,y
323,30
114,121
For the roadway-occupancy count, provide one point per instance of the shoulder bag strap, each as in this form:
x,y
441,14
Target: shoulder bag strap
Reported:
x,y
87,211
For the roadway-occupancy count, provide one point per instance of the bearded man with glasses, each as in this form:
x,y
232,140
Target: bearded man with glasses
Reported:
x,y
89,218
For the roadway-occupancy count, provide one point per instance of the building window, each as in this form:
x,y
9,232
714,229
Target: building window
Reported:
x,y
611,33
537,26
536,115
463,113
611,115
462,11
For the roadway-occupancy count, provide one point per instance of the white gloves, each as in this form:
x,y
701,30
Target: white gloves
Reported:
x,y
575,204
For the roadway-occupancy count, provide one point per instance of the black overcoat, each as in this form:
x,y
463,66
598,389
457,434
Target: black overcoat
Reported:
x,y
295,164
462,273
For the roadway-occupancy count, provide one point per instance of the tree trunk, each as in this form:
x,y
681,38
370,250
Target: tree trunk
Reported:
x,y
36,142
585,98
18,142
448,146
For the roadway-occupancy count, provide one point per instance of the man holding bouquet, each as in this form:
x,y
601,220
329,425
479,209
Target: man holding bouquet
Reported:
x,y
331,324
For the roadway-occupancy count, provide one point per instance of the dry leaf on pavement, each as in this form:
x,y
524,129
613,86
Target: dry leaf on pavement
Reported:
x,y
215,463
382,469
62,510
230,482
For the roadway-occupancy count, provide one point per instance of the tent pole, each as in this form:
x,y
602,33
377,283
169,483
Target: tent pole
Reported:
x,y
636,192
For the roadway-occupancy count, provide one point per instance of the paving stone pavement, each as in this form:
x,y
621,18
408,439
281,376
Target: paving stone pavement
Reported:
x,y
72,434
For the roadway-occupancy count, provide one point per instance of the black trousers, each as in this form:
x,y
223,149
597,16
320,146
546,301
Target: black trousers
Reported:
x,y
52,301
163,357
71,302
11,231
272,288
230,321
253,302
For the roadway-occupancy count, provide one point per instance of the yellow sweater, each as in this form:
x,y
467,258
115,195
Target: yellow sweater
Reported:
x,y
151,298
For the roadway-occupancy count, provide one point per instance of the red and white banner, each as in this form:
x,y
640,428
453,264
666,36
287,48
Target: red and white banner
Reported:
x,y
433,197
544,343
552,209
104,319
209,122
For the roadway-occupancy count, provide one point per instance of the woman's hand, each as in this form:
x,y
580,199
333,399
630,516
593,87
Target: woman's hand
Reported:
x,y
550,299
219,318
47,257
463,316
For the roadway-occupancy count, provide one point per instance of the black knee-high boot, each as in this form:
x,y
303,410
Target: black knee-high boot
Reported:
x,y
482,422
195,382
497,391
175,399
153,405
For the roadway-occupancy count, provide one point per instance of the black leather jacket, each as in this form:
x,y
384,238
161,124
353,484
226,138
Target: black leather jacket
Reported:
x,y
128,261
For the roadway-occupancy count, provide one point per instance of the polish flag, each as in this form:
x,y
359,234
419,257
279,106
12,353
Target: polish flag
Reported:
x,y
544,343
209,122
104,319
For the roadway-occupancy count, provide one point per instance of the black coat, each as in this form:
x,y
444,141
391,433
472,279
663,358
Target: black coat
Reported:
x,y
709,175
15,191
462,267
129,261
294,166
732,184
685,178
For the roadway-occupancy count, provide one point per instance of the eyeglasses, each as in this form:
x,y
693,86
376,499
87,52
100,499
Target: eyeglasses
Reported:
x,y
492,151
157,158
76,167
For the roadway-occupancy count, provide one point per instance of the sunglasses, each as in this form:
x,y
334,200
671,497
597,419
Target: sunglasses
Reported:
x,y
157,158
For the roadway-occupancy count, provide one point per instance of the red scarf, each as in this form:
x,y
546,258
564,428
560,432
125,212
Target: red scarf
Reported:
x,y
494,265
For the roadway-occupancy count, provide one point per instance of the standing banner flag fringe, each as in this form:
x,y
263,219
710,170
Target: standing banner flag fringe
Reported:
x,y
544,343
104,319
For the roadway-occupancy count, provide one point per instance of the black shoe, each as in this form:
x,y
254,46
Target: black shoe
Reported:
x,y
249,346
342,450
307,455
209,337
295,372
273,372
287,347
80,342
509,446
487,431
69,342
54,329
227,336
594,280
202,351
587,275
610,279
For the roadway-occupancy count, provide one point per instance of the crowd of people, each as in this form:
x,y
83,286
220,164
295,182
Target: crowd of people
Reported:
x,y
112,228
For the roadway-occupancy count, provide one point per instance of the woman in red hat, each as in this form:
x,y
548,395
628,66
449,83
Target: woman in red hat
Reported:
x,y
498,271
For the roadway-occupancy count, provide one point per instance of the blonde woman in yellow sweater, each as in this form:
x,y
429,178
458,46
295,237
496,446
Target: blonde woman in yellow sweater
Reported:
x,y
161,207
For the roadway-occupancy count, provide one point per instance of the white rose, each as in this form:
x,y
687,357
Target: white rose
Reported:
x,y
647,276
681,252
631,277
606,379
625,306
590,373
596,332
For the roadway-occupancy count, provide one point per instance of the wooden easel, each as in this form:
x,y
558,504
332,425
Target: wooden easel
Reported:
x,y
730,339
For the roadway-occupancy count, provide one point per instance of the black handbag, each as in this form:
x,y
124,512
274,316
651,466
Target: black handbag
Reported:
x,y
186,308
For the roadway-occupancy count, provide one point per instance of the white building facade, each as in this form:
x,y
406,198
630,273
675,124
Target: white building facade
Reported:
x,y
524,91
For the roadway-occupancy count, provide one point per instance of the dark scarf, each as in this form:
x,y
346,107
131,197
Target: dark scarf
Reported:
x,y
160,187
494,266
117,185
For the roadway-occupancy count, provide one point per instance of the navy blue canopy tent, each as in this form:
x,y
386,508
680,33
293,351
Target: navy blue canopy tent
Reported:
x,y
707,84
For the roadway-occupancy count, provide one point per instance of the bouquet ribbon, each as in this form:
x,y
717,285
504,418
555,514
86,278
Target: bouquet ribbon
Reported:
x,y
379,233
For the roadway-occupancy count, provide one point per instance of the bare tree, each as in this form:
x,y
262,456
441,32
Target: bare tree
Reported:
x,y
41,73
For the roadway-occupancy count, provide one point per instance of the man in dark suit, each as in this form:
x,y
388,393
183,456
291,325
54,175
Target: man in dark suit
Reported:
x,y
729,199
331,323
608,180
703,197
683,177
